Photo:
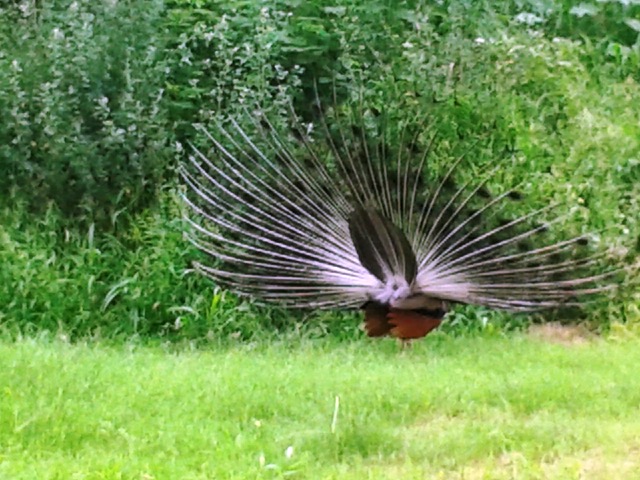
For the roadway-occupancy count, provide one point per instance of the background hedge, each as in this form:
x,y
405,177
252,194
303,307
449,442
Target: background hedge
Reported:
x,y
98,102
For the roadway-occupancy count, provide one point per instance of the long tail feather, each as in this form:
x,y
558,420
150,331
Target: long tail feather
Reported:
x,y
347,213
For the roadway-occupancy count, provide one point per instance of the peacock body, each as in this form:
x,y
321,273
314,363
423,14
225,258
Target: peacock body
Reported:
x,y
328,216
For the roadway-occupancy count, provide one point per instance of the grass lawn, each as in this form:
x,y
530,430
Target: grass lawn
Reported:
x,y
450,408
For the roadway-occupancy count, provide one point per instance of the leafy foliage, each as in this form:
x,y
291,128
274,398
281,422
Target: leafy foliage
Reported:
x,y
138,283
81,95
98,101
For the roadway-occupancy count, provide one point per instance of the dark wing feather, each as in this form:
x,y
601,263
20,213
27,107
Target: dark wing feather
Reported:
x,y
382,248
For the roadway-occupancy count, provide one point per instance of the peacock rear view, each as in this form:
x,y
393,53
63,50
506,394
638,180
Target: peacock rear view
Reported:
x,y
348,212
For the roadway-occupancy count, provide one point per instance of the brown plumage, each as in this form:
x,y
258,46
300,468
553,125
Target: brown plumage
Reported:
x,y
381,320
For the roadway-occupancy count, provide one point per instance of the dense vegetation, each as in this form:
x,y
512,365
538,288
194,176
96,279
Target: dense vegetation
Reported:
x,y
98,101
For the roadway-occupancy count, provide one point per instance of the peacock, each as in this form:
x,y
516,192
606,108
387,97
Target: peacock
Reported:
x,y
351,211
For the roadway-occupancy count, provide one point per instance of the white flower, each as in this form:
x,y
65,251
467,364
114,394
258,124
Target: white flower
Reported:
x,y
288,453
57,34
528,18
407,44
480,40
584,9
24,8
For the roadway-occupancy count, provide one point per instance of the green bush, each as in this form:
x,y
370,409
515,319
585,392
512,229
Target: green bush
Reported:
x,y
224,57
99,98
83,284
81,98
55,278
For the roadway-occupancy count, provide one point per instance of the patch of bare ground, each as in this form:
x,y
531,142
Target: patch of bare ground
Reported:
x,y
555,332
593,464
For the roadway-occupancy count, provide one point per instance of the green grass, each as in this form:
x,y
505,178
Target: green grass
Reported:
x,y
484,407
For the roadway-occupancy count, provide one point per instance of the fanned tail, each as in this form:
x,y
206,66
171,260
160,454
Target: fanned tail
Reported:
x,y
350,212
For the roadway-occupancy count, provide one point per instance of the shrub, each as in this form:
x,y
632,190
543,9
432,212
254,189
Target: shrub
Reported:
x,y
138,283
97,96
81,97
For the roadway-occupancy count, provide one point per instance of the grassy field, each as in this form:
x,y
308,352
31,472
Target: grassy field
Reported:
x,y
483,407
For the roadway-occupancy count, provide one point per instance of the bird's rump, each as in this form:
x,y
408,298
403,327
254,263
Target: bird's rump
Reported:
x,y
381,320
